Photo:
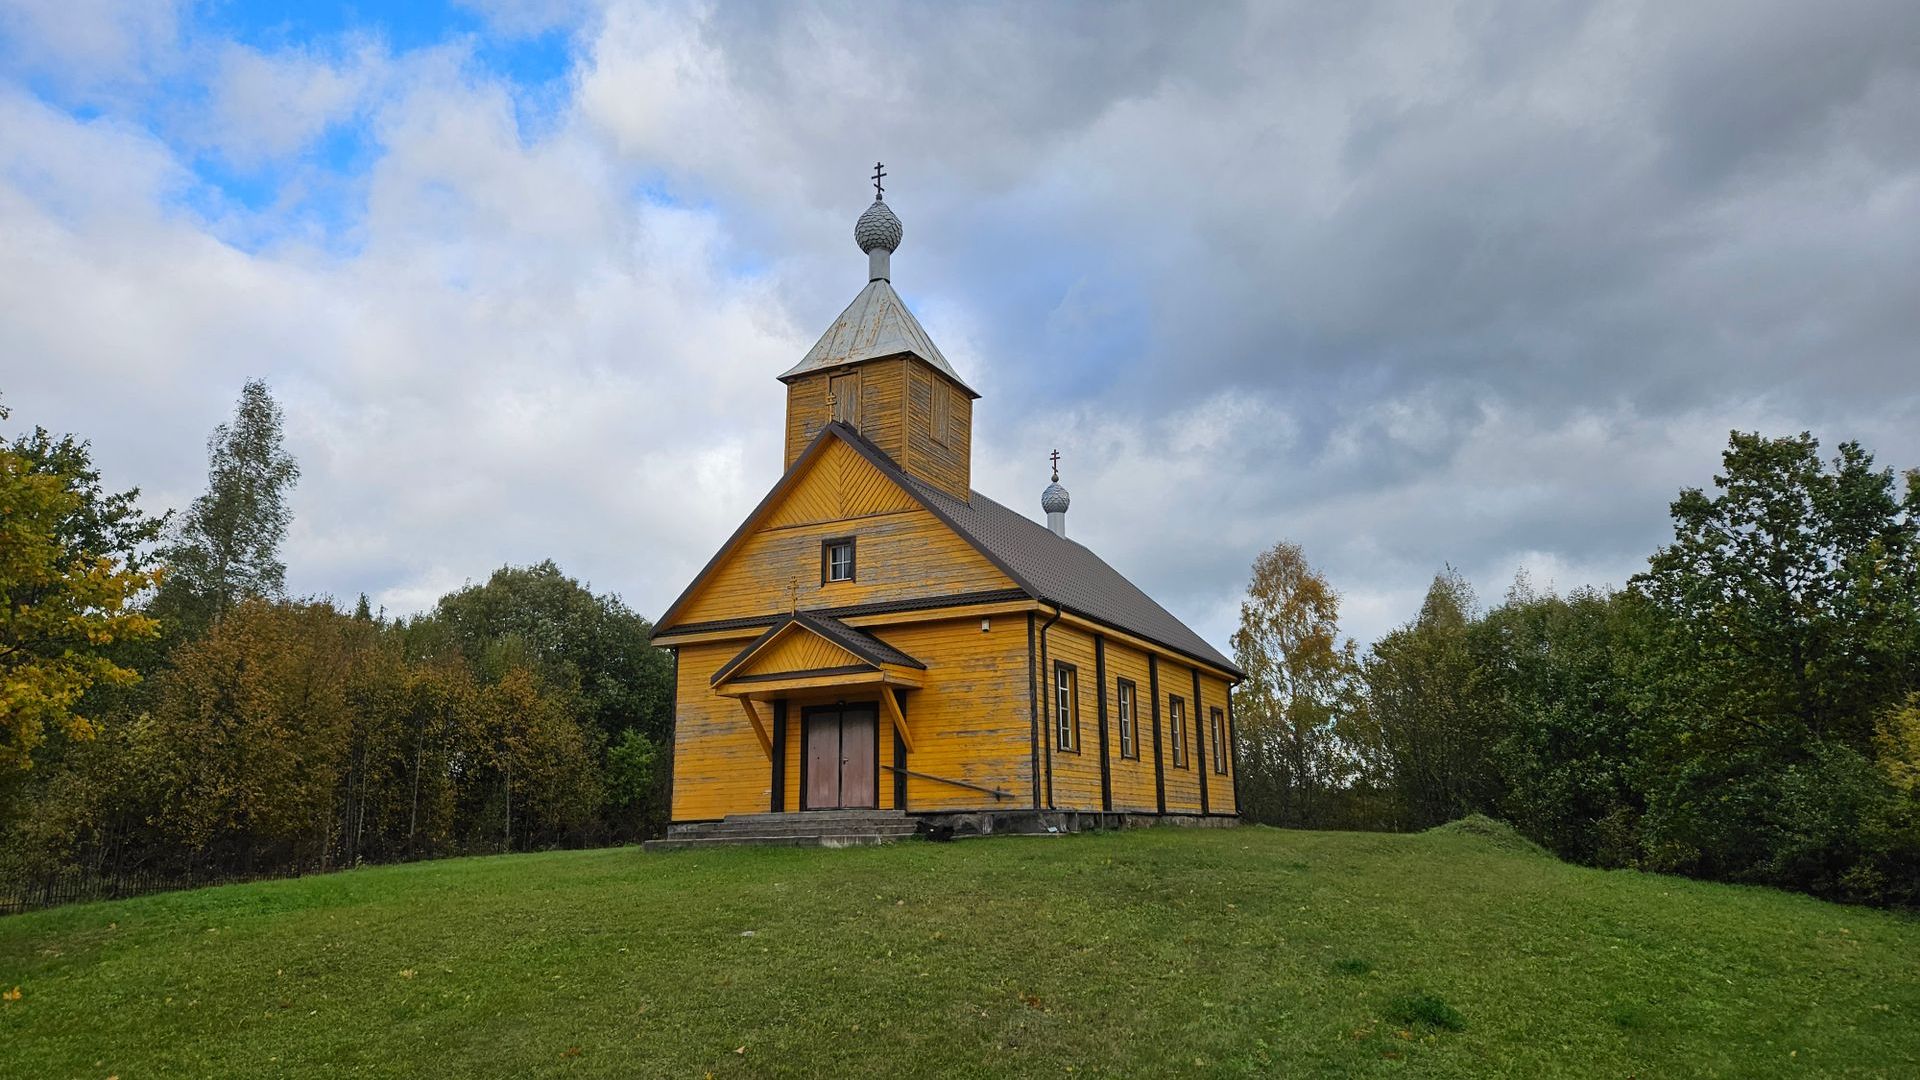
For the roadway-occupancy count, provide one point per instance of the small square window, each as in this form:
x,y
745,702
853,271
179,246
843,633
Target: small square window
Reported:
x,y
836,560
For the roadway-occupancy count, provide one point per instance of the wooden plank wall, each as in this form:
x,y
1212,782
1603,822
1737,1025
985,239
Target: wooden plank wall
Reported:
x,y
945,463
898,554
718,765
1132,777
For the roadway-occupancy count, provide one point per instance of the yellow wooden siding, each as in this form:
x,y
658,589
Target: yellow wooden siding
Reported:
x,y
807,413
1219,787
1183,785
839,485
944,463
1076,776
897,557
797,650
881,407
718,765
970,722
973,720
1133,786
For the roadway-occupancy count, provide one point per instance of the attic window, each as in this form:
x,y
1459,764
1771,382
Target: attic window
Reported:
x,y
836,560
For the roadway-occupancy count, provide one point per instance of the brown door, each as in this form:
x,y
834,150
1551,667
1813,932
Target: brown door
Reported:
x,y
858,751
842,757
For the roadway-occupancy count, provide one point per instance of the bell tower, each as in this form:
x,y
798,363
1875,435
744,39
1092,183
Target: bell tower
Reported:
x,y
877,371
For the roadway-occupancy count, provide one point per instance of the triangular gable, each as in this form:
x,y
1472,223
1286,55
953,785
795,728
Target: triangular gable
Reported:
x,y
794,648
803,644
841,485
833,438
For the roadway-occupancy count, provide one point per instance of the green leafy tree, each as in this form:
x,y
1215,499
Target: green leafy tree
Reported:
x,y
227,546
539,616
1785,611
1300,678
1429,726
70,574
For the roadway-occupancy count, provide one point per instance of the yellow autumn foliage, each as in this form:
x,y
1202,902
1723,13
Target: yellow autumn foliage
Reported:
x,y
58,609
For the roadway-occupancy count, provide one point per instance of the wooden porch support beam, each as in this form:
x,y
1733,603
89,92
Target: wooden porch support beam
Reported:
x,y
759,728
892,709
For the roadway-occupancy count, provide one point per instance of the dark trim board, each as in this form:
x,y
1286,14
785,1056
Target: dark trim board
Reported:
x,y
1200,741
1159,767
1106,761
899,751
853,611
1233,751
779,799
1033,712
809,673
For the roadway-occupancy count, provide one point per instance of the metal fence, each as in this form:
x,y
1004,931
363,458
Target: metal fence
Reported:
x,y
82,886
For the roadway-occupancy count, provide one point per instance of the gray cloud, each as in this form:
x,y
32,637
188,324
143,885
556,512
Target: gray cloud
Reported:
x,y
1481,283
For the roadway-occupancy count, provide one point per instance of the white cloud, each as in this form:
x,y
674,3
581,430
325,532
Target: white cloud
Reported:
x,y
1455,287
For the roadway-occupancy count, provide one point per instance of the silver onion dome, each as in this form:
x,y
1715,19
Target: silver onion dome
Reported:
x,y
877,228
1054,500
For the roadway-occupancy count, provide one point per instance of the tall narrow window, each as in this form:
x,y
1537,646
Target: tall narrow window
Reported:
x,y
1066,709
1123,710
1219,742
940,410
1177,730
844,392
836,560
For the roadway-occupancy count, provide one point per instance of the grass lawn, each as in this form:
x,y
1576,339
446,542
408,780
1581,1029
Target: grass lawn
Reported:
x,y
1146,953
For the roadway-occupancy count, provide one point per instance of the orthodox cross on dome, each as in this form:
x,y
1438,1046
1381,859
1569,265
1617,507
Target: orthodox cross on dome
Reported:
x,y
1056,465
879,193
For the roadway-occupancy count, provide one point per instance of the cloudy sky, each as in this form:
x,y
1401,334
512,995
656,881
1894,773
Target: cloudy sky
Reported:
x,y
1414,284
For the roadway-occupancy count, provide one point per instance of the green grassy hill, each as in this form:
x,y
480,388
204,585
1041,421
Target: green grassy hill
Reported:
x,y
1147,953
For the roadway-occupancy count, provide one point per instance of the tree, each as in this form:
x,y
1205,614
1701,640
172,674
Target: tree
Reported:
x,y
1559,671
1785,614
69,575
1429,724
1299,674
227,547
595,645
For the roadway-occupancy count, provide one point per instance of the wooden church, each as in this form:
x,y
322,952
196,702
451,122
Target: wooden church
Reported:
x,y
879,636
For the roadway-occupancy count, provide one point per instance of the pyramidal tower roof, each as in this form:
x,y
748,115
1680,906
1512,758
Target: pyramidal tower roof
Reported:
x,y
877,324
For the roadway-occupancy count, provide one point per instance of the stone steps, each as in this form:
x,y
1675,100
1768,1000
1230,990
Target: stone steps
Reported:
x,y
810,828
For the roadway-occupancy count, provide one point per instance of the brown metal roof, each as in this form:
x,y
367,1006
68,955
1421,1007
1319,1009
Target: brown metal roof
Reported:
x,y
1051,568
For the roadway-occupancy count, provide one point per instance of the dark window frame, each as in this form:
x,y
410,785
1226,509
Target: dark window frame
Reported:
x,y
1126,712
826,560
1177,729
1217,728
1070,724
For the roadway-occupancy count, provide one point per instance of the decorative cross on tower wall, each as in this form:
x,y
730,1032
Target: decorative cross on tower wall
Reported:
x,y
879,193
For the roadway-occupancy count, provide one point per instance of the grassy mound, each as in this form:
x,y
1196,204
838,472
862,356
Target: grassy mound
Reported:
x,y
1162,952
1493,832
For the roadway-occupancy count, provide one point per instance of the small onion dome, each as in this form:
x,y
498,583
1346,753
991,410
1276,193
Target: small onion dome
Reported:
x,y
1054,499
877,228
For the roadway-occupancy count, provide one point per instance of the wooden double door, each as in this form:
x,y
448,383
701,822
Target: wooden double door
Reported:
x,y
840,757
